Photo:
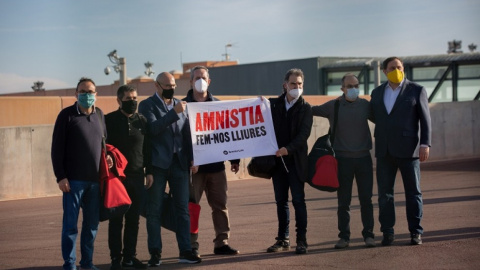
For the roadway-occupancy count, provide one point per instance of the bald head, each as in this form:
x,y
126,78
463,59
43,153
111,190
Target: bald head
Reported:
x,y
165,82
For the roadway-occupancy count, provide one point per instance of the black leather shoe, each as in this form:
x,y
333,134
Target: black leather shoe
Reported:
x,y
388,239
225,250
416,239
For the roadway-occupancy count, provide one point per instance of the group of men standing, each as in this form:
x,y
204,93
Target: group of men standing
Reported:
x,y
156,142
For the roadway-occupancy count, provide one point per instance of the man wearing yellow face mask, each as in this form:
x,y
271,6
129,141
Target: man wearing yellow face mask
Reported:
x,y
402,140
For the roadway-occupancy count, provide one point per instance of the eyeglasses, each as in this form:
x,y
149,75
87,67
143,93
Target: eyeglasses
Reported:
x,y
86,92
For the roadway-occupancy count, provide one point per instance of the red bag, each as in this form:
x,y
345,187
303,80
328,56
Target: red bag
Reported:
x,y
115,199
194,210
326,174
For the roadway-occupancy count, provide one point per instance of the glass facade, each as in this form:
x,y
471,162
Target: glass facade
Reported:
x,y
467,81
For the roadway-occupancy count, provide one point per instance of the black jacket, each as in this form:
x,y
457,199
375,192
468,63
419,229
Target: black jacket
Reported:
x,y
301,119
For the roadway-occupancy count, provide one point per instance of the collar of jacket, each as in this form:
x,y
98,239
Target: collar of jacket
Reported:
x,y
281,100
189,97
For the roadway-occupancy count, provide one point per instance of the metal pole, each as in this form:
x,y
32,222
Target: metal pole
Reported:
x,y
123,71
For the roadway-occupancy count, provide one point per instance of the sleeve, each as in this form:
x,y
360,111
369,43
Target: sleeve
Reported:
x,y
235,161
147,149
156,125
59,142
321,110
304,131
425,120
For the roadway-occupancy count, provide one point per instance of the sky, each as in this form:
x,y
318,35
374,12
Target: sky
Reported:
x,y
60,41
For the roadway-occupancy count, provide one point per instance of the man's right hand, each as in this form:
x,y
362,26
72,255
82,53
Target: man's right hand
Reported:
x,y
180,107
64,185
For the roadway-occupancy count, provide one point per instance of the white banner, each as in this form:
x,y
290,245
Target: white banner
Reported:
x,y
226,130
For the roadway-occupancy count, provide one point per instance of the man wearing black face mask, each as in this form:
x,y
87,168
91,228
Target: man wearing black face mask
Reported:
x,y
172,158
127,132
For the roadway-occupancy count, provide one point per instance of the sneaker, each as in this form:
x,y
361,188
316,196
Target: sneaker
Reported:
x,y
154,260
280,245
301,247
133,262
370,242
116,264
342,243
225,250
388,239
416,239
188,257
195,252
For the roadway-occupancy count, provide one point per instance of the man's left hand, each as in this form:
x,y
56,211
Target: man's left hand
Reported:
x,y
148,181
234,168
109,161
424,153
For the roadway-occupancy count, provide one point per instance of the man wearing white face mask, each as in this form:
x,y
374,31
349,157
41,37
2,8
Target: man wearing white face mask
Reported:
x,y
211,178
292,120
352,144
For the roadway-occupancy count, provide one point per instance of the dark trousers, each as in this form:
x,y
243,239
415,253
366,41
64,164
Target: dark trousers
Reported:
x,y
387,168
136,190
282,183
362,170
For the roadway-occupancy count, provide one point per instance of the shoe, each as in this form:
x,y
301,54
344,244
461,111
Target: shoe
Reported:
x,y
416,239
116,264
370,242
154,260
342,243
280,245
301,247
195,252
189,257
133,262
225,250
388,239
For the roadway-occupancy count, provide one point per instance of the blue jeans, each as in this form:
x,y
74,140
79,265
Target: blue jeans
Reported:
x,y
178,181
386,171
362,170
85,195
282,182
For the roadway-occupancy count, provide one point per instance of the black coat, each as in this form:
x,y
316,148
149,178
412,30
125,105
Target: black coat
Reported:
x,y
300,128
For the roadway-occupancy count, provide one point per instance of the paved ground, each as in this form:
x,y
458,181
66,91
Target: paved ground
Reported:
x,y
30,230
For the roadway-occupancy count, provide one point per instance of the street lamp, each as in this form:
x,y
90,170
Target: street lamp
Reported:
x,y
149,70
120,66
227,56
38,86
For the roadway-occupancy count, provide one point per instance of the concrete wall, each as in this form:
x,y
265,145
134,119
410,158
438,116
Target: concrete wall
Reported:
x,y
26,170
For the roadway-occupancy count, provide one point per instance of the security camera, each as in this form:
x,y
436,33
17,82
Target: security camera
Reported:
x,y
107,70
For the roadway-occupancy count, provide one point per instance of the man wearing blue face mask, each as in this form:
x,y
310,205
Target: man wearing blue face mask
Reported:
x,y
76,150
352,144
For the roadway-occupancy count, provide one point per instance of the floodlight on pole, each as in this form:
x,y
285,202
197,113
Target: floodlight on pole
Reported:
x,y
120,66
149,71
454,46
38,86
227,56
472,47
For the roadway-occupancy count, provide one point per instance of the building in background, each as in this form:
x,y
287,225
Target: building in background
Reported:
x,y
446,77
